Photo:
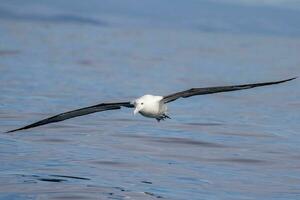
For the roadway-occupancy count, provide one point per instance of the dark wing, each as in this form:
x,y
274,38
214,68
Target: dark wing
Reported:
x,y
211,90
76,113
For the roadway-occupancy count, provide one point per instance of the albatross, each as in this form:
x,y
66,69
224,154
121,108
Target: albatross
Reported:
x,y
150,106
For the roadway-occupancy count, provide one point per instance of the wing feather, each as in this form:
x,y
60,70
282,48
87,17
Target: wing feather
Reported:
x,y
211,90
76,113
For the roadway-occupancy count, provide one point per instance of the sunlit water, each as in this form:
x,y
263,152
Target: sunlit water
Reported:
x,y
239,145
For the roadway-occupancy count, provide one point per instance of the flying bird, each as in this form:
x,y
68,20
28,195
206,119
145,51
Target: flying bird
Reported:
x,y
148,105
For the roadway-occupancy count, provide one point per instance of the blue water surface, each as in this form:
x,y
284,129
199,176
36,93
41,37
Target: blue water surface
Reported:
x,y
61,55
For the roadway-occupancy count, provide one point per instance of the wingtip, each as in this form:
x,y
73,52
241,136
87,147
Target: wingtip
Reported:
x,y
11,131
14,130
290,79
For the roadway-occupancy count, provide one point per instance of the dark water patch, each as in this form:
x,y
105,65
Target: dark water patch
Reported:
x,y
53,140
25,175
240,161
56,180
30,181
140,136
59,18
194,180
29,178
186,141
274,152
211,29
294,104
153,195
112,163
196,158
129,119
129,135
174,140
71,177
9,116
121,189
72,196
204,124
296,157
85,62
9,52
146,182
245,134
103,162
48,178
116,196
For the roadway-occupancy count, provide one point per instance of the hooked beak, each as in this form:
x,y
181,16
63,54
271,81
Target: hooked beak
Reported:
x,y
136,110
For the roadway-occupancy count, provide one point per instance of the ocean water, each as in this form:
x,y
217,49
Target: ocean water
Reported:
x,y
57,56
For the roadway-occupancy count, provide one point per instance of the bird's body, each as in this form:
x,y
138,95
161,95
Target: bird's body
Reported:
x,y
148,105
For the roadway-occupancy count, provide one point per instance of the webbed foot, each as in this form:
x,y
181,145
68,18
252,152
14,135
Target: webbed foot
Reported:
x,y
162,117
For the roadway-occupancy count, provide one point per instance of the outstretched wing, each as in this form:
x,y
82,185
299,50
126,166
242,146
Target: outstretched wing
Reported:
x,y
211,90
76,113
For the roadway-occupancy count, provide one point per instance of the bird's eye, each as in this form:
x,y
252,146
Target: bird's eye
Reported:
x,y
142,103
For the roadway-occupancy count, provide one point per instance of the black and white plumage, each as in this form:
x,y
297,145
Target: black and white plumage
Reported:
x,y
147,105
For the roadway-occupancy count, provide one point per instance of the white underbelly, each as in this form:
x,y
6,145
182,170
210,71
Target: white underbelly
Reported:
x,y
154,112
151,115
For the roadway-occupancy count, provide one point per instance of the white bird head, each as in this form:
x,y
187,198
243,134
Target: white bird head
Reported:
x,y
139,105
145,102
